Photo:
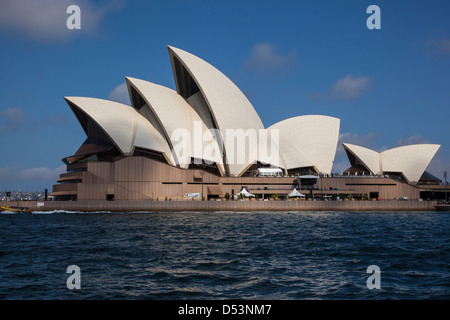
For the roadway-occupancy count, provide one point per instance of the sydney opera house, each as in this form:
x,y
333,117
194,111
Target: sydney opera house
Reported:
x,y
206,141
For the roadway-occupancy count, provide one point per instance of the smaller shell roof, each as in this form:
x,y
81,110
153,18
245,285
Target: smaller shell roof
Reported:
x,y
368,157
411,160
122,124
174,115
309,140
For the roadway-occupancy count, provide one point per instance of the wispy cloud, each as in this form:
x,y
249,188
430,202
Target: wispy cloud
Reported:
x,y
45,20
440,45
54,120
414,139
7,173
350,87
16,115
437,43
40,173
316,95
11,119
265,58
120,94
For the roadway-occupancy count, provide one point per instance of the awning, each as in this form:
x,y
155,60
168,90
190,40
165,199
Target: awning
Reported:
x,y
295,193
78,177
215,190
245,193
308,176
197,175
63,193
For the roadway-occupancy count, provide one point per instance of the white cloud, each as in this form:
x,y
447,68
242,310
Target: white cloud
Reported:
x,y
120,94
264,58
7,173
443,45
11,119
53,120
41,173
16,115
45,20
437,43
350,87
315,95
414,139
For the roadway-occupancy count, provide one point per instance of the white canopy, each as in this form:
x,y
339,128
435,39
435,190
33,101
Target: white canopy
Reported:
x,y
295,193
245,193
270,172
308,176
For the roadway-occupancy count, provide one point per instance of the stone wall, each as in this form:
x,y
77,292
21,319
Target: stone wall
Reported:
x,y
127,206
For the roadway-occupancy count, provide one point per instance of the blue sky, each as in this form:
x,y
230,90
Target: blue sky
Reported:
x,y
389,87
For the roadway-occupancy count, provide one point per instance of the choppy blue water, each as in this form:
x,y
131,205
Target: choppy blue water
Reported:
x,y
263,255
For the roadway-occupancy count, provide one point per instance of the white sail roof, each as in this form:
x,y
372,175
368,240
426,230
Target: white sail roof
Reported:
x,y
307,141
369,158
173,114
411,160
228,106
292,157
125,127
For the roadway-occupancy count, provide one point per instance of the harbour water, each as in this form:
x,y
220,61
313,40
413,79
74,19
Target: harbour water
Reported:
x,y
225,255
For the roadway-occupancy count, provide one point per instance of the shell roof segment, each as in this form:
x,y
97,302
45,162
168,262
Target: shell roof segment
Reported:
x,y
308,141
228,106
410,160
173,114
122,124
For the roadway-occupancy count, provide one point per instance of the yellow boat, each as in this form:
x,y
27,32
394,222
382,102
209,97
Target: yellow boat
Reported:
x,y
15,209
